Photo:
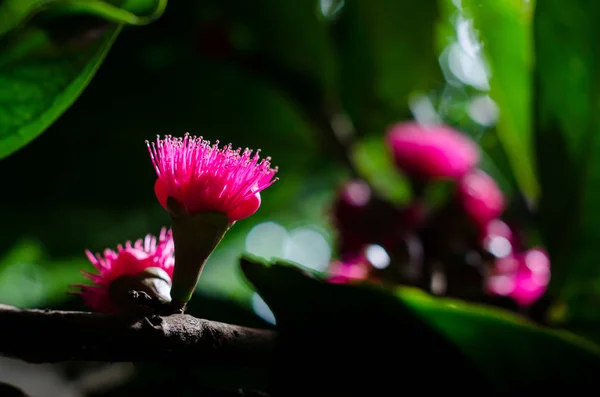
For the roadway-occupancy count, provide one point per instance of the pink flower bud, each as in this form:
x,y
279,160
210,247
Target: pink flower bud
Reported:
x,y
432,151
532,277
525,280
480,197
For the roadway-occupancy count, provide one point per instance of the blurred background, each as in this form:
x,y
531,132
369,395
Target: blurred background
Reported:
x,y
314,85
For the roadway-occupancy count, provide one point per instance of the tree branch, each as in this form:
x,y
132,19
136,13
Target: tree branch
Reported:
x,y
43,336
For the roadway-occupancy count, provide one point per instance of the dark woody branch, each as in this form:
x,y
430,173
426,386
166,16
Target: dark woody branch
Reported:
x,y
44,336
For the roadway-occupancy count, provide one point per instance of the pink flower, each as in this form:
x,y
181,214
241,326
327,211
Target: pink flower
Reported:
x,y
524,277
205,178
432,151
130,260
349,271
480,197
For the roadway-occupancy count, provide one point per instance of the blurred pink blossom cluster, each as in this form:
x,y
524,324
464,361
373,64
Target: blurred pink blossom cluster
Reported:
x,y
463,239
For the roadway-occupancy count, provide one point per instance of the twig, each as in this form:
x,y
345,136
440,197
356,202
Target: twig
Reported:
x,y
44,336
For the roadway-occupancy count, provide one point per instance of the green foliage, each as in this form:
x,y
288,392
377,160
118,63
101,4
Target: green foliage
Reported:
x,y
45,65
505,29
509,353
36,92
567,132
379,66
291,34
514,351
376,165
272,75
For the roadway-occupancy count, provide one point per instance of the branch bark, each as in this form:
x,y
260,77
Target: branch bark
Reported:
x,y
45,336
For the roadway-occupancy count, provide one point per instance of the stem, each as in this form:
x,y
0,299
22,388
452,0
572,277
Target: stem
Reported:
x,y
196,237
174,339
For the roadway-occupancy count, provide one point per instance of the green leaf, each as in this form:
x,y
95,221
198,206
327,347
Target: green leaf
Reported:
x,y
15,13
386,51
44,66
505,28
374,161
462,346
38,87
507,348
567,134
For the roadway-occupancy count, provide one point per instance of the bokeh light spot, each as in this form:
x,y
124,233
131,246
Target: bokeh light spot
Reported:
x,y
262,310
308,248
499,246
267,240
377,256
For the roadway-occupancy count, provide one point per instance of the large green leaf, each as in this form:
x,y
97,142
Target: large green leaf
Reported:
x,y
511,351
505,28
46,62
463,347
386,51
38,89
567,133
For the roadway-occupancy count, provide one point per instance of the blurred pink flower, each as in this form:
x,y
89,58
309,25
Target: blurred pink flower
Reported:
x,y
432,151
130,260
203,178
524,277
348,271
480,197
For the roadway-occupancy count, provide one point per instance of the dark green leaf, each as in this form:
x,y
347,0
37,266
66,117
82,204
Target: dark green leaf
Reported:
x,y
505,30
567,133
386,51
40,84
510,350
464,347
47,61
